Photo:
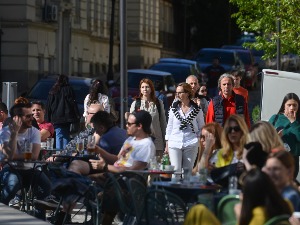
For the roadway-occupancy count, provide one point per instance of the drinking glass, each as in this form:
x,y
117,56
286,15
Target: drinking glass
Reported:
x,y
28,151
80,146
91,145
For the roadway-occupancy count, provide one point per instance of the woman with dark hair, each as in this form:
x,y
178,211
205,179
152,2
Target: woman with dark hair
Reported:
x,y
62,110
280,166
287,123
260,200
184,129
98,94
147,101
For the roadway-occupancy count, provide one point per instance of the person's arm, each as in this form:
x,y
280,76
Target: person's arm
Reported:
x,y
169,128
109,158
210,115
36,148
85,107
44,134
105,167
104,101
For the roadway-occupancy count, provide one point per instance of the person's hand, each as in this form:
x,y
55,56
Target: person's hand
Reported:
x,y
280,133
126,115
294,221
209,142
50,159
290,115
15,125
237,210
97,164
166,148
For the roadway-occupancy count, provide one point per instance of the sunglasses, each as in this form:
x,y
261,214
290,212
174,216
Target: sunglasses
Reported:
x,y
202,137
203,90
130,124
235,129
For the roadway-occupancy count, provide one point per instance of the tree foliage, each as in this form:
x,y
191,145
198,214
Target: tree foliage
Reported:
x,y
260,17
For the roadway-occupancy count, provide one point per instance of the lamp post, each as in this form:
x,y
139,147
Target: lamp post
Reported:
x,y
278,44
110,75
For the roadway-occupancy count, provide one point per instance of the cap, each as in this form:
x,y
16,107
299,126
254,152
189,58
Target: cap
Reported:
x,y
143,117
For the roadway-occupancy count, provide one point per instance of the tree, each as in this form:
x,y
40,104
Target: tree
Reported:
x,y
260,17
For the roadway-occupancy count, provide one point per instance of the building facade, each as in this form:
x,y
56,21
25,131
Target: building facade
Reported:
x,y
42,37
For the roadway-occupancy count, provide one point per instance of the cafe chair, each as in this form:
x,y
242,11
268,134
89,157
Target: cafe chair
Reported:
x,y
137,191
279,220
225,209
164,207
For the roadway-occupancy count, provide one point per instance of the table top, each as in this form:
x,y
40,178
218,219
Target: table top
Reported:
x,y
154,171
11,216
182,185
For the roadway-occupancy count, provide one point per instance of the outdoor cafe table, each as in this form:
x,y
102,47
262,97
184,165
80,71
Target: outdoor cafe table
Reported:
x,y
11,216
189,192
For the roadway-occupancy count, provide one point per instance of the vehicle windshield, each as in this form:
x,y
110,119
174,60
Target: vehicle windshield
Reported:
x,y
179,72
135,78
208,56
245,57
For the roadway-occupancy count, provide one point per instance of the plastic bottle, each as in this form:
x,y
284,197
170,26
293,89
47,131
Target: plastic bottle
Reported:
x,y
233,185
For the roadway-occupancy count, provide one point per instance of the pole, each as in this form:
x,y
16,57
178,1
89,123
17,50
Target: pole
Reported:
x,y
123,62
110,75
278,46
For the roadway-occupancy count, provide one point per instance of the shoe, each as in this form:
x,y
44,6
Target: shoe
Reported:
x,y
51,199
49,203
15,202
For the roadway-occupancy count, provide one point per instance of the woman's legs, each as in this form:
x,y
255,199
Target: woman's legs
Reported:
x,y
189,155
175,155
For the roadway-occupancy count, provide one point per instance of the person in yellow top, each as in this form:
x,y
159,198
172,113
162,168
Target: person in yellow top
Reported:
x,y
260,201
233,139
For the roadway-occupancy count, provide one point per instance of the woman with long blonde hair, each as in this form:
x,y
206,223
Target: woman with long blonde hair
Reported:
x,y
233,139
264,133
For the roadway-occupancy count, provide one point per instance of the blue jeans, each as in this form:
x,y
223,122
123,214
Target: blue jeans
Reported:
x,y
62,135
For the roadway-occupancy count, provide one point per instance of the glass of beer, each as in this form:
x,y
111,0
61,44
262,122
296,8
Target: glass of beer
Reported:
x,y
80,146
28,151
91,144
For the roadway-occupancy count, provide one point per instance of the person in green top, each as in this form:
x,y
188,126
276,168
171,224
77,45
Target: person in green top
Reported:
x,y
287,123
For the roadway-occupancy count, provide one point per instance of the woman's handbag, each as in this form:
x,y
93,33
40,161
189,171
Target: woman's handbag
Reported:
x,y
221,175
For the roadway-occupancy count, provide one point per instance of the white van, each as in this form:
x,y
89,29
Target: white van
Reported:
x,y
275,85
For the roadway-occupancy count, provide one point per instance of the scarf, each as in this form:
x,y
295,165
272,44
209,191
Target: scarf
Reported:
x,y
189,119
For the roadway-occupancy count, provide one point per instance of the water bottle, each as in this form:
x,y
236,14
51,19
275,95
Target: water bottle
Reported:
x,y
233,185
165,161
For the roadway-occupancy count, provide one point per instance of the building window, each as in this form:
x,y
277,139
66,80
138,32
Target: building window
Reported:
x,y
51,65
77,12
41,65
79,67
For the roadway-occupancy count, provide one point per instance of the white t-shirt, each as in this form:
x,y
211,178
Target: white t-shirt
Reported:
x,y
140,150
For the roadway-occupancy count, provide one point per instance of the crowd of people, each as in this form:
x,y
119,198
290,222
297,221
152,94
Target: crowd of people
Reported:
x,y
207,127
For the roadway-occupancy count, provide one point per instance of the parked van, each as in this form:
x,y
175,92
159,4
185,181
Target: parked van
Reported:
x,y
275,85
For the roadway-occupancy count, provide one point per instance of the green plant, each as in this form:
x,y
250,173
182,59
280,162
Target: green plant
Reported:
x,y
256,114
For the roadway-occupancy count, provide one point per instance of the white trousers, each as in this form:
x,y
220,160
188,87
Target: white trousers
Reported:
x,y
183,157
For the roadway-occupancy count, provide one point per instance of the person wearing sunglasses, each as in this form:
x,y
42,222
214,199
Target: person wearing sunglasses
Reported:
x,y
233,139
227,103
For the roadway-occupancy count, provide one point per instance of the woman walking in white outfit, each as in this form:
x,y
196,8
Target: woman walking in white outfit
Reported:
x,y
183,129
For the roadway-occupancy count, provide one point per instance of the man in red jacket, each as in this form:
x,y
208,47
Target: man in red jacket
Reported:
x,y
226,103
